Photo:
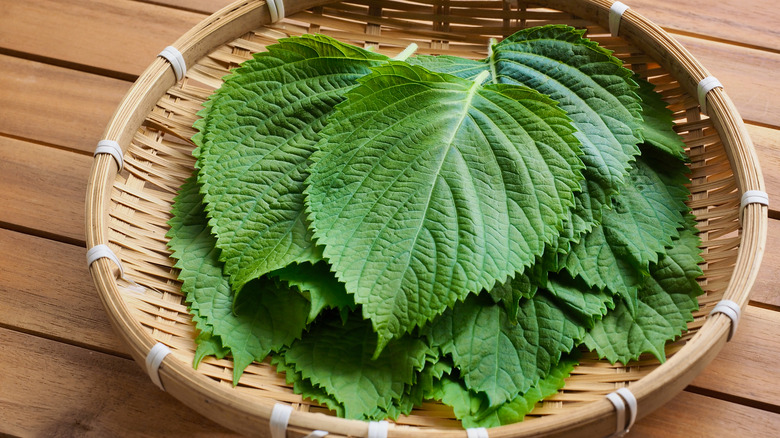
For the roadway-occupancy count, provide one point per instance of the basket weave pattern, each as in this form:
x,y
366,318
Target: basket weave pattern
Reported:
x,y
159,159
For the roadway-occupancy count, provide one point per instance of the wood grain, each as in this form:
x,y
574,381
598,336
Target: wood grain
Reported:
x,y
47,291
202,6
749,76
64,65
115,37
43,189
51,389
742,369
751,23
56,105
765,289
85,393
767,144
694,415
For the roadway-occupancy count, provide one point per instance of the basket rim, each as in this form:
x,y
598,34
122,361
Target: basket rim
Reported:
x,y
599,417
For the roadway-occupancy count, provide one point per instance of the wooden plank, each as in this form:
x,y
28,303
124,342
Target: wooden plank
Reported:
x,y
54,389
84,392
765,289
73,28
47,290
746,367
748,76
43,189
203,6
118,37
767,144
751,23
694,415
56,105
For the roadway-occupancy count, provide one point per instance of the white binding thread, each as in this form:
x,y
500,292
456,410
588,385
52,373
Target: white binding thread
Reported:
x,y
154,360
276,9
477,432
103,251
280,417
704,87
621,399
378,429
752,197
615,16
175,58
112,148
730,309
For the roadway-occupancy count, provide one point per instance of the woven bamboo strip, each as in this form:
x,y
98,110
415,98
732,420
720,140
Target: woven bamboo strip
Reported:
x,y
129,210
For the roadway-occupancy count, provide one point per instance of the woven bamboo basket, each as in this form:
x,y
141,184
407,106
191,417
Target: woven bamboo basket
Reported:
x,y
128,209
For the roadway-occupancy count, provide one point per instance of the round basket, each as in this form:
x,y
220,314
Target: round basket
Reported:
x,y
128,209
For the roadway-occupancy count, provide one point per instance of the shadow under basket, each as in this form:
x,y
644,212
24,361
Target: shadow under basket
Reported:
x,y
128,209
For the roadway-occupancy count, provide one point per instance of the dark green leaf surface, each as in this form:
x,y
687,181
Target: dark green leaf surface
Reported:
x,y
256,138
338,358
643,223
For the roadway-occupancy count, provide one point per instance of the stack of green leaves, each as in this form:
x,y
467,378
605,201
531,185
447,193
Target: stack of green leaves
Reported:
x,y
391,231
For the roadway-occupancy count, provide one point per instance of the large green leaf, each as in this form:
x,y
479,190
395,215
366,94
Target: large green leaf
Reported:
x,y
665,304
593,88
265,319
499,358
428,187
257,134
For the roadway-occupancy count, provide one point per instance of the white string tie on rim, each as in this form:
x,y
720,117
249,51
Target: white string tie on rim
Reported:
x,y
112,148
477,432
704,87
378,429
752,197
280,418
103,251
276,9
154,360
615,16
730,309
623,398
175,58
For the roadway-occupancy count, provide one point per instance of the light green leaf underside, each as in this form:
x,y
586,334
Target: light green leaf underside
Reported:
x,y
338,358
665,304
257,135
318,285
265,319
499,358
429,187
305,387
473,410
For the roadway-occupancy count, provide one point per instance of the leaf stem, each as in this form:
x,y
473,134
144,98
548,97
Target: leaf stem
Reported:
x,y
492,61
407,52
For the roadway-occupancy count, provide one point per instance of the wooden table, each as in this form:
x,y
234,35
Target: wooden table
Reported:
x,y
65,65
